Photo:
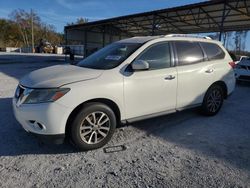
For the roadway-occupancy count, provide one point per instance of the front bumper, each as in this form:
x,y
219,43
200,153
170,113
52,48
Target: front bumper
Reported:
x,y
54,139
242,75
44,119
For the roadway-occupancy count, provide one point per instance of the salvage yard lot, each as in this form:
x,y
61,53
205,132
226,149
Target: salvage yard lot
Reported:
x,y
183,149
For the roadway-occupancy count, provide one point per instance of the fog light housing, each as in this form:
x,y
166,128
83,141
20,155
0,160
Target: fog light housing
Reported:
x,y
37,125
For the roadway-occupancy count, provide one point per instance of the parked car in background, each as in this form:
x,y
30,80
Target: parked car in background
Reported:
x,y
47,48
242,69
243,58
127,81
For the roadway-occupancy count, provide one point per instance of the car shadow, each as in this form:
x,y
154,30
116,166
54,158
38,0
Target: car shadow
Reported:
x,y
225,136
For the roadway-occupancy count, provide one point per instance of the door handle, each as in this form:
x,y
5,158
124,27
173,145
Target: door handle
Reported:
x,y
209,71
169,77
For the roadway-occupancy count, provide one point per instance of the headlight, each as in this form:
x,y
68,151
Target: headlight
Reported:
x,y
32,96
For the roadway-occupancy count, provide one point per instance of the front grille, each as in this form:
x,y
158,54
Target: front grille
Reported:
x,y
244,78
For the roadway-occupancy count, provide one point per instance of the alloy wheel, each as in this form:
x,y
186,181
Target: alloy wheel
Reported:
x,y
95,127
214,100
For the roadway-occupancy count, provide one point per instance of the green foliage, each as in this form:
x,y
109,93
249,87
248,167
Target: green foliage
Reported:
x,y
16,31
9,33
79,21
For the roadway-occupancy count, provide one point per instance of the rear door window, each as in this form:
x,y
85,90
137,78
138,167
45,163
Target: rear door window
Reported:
x,y
188,52
213,51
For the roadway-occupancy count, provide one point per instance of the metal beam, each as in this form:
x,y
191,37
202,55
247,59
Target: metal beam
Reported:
x,y
237,9
166,19
103,36
222,22
214,21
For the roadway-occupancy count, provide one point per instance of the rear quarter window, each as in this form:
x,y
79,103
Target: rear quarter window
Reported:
x,y
213,51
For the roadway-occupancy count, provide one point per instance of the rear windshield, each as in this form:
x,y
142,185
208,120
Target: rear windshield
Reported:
x,y
110,56
245,59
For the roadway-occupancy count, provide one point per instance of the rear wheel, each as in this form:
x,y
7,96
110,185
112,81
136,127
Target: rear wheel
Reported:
x,y
93,126
213,100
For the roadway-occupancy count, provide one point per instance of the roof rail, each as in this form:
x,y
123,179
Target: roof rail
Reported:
x,y
187,35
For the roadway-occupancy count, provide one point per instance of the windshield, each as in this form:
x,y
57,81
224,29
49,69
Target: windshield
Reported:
x,y
245,58
110,56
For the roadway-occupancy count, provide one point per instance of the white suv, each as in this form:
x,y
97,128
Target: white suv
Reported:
x,y
129,80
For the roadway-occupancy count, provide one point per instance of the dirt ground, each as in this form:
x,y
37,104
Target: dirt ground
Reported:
x,y
178,150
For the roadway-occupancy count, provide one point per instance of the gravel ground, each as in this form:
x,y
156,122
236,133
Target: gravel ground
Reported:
x,y
178,150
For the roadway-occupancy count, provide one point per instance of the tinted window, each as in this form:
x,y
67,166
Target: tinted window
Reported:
x,y
213,51
110,56
157,56
188,52
245,58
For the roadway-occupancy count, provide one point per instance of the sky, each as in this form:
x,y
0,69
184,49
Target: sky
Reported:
x,y
61,12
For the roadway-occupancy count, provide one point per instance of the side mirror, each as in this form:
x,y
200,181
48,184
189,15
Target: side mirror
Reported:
x,y
140,65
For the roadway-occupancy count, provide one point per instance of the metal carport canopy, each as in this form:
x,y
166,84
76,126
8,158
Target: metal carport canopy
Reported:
x,y
209,16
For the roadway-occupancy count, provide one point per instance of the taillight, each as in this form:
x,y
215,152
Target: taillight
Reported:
x,y
232,64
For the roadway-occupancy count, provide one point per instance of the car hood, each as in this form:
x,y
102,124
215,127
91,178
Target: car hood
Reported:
x,y
56,76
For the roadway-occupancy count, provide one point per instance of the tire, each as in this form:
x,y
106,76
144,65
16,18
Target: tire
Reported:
x,y
213,100
93,126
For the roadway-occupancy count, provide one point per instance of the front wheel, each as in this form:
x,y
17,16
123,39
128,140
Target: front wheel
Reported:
x,y
93,126
213,100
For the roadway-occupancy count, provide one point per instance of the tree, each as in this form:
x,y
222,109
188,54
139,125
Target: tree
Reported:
x,y
48,33
9,34
226,38
16,31
240,40
23,20
214,36
80,20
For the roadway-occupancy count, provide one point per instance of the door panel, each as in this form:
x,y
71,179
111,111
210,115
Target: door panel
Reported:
x,y
154,90
148,92
195,74
193,82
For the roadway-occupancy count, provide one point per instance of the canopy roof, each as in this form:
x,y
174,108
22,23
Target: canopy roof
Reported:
x,y
209,16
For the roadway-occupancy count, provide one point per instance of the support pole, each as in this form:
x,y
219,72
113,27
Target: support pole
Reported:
x,y
153,25
66,36
32,31
220,35
103,36
85,43
222,22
